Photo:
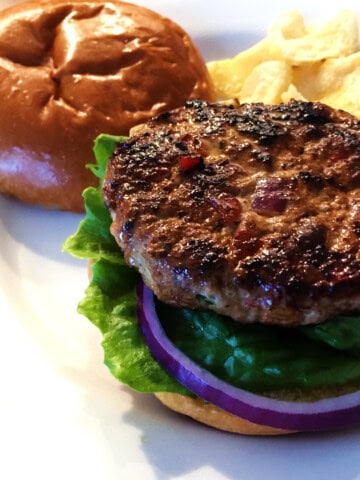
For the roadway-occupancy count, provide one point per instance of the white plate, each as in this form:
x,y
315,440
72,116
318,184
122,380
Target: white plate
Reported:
x,y
62,416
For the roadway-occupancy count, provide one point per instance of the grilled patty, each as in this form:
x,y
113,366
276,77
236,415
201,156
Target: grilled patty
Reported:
x,y
250,210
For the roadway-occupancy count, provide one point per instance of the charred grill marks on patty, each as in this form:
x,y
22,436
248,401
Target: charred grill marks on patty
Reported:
x,y
254,206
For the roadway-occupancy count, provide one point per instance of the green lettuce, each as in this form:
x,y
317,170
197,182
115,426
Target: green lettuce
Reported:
x,y
264,358
110,301
255,357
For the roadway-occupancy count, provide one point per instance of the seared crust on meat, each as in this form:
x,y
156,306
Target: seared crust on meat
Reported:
x,y
250,210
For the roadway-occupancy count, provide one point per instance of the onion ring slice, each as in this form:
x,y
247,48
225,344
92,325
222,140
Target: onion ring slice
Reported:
x,y
326,414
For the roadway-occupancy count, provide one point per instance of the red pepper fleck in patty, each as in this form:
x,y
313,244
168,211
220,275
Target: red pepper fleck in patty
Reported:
x,y
187,162
246,243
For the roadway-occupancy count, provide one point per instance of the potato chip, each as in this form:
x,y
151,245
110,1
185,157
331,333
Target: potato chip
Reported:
x,y
292,93
229,75
336,38
323,79
289,25
266,82
297,61
347,96
225,77
304,79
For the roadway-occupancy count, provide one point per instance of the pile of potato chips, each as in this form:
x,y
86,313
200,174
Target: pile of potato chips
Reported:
x,y
297,61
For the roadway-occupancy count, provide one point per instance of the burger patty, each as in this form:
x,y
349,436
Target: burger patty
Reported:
x,y
250,210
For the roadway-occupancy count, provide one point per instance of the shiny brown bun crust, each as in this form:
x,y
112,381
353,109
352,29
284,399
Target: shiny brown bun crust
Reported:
x,y
72,70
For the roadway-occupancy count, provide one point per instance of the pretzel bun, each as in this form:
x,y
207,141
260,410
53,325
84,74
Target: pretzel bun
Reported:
x,y
72,70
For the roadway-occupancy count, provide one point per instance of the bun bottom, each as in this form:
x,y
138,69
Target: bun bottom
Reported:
x,y
214,416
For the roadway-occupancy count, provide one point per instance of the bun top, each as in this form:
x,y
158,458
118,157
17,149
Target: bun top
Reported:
x,y
72,70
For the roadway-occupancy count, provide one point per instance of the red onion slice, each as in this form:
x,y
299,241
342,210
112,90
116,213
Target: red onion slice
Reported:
x,y
228,208
326,414
270,197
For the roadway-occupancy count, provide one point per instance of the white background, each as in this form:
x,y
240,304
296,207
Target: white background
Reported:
x,y
62,416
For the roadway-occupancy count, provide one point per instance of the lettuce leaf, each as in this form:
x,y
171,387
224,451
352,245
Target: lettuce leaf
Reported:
x,y
255,357
104,146
341,333
93,239
264,358
110,301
